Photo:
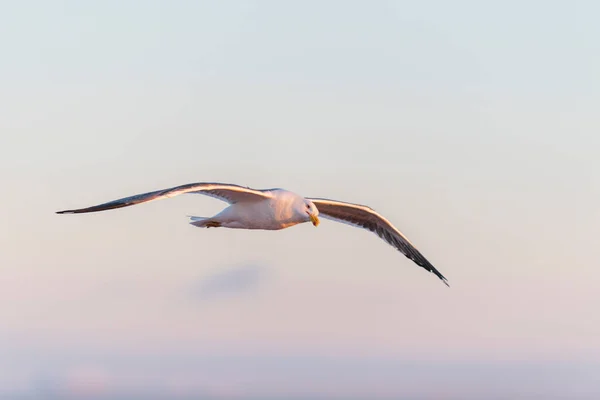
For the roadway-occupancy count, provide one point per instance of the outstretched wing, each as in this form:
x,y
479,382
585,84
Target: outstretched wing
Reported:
x,y
367,218
227,192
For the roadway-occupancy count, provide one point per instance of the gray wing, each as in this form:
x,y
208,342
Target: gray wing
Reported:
x,y
227,192
367,218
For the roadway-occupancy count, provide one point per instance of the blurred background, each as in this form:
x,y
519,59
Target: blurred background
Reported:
x,y
472,126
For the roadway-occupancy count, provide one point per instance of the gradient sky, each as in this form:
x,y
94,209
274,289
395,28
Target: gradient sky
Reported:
x,y
473,126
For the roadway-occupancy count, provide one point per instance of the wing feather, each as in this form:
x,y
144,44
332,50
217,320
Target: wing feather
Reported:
x,y
226,192
365,217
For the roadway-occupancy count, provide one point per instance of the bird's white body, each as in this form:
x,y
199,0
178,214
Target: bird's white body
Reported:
x,y
279,210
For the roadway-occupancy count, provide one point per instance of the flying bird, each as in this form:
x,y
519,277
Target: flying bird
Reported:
x,y
274,209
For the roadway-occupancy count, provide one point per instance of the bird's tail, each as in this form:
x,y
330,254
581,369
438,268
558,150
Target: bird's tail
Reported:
x,y
202,222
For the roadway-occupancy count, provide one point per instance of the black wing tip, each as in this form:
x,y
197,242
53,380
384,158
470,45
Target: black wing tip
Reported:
x,y
439,275
101,207
78,211
429,267
83,210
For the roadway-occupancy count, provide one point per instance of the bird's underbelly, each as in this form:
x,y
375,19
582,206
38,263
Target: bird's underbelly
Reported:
x,y
259,215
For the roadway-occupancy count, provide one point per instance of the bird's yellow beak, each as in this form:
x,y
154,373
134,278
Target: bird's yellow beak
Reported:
x,y
314,219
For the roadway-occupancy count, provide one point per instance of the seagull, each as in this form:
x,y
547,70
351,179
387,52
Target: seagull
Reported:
x,y
275,209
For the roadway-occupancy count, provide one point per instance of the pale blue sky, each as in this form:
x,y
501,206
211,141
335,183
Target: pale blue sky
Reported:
x,y
473,126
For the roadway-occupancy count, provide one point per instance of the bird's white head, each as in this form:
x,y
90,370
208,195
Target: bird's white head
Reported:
x,y
310,212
